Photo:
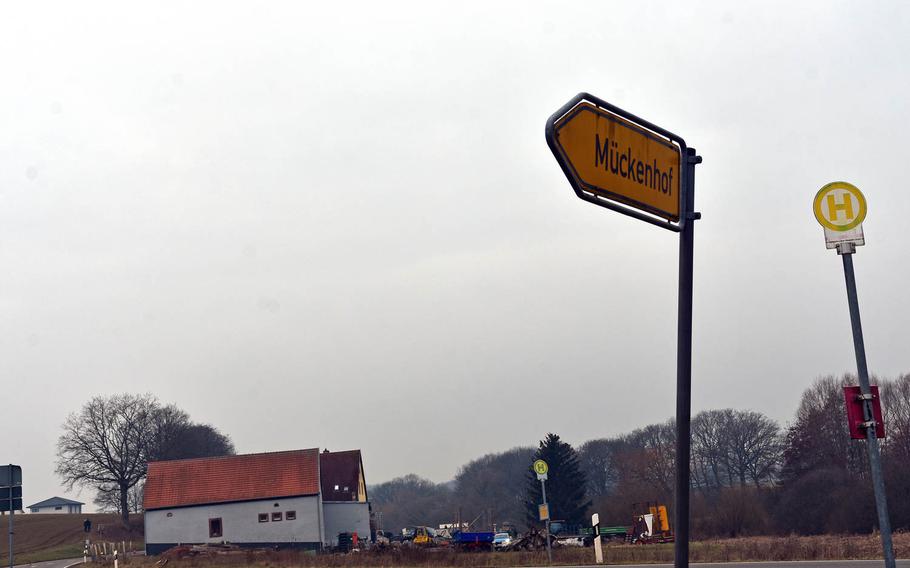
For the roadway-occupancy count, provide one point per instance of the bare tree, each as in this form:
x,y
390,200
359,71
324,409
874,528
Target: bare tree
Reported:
x,y
167,426
107,499
824,473
107,445
104,445
494,484
819,436
896,447
598,460
411,500
649,456
735,446
202,441
709,455
754,447
174,437
896,409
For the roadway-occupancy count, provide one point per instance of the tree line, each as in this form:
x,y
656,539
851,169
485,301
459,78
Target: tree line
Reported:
x,y
749,474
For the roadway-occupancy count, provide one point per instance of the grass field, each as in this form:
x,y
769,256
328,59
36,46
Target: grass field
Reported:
x,y
51,537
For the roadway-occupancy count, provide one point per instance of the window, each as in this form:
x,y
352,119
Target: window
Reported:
x,y
58,508
276,516
290,515
263,517
336,488
215,528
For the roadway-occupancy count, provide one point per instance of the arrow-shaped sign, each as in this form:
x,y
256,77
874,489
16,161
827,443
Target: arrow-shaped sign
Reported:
x,y
618,157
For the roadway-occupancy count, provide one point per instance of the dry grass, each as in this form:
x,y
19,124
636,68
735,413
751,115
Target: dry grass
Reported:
x,y
726,550
826,547
51,537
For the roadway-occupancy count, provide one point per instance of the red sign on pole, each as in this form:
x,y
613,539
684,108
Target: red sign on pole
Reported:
x,y
853,396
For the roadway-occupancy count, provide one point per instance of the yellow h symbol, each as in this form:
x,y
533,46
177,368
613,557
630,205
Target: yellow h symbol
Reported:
x,y
834,207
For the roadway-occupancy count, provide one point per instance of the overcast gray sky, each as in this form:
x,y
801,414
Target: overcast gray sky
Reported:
x,y
339,225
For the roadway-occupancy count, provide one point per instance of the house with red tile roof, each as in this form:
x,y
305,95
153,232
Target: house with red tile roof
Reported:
x,y
272,500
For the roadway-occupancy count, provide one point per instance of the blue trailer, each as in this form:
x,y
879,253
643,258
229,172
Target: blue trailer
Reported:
x,y
474,540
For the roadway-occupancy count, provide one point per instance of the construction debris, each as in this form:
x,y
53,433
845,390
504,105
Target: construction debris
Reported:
x,y
536,539
198,550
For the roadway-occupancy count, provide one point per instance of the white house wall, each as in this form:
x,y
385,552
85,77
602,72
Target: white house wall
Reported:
x,y
346,516
239,521
64,510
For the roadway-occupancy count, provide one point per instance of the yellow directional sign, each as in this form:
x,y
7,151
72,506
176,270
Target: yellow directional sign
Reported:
x,y
541,467
839,206
619,160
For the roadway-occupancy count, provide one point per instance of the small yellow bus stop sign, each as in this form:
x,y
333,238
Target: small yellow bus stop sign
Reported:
x,y
540,467
840,208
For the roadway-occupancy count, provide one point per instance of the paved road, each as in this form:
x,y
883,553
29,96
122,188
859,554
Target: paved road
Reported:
x,y
67,562
810,564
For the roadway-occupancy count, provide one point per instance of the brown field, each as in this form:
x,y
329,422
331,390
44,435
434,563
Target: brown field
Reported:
x,y
50,537
728,550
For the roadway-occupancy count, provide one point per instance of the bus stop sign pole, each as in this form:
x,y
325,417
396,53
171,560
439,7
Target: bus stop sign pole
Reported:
x,y
840,209
846,251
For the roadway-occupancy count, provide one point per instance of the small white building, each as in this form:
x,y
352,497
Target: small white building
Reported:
x,y
57,505
269,500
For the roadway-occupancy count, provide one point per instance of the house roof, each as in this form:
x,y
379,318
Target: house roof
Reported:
x,y
181,483
341,470
55,502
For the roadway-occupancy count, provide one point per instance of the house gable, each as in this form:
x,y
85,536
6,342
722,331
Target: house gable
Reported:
x,y
342,477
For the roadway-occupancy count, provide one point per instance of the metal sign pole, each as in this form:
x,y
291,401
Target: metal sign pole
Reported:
x,y
684,365
543,491
11,503
569,134
846,251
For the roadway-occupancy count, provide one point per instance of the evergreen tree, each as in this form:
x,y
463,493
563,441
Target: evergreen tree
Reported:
x,y
566,483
